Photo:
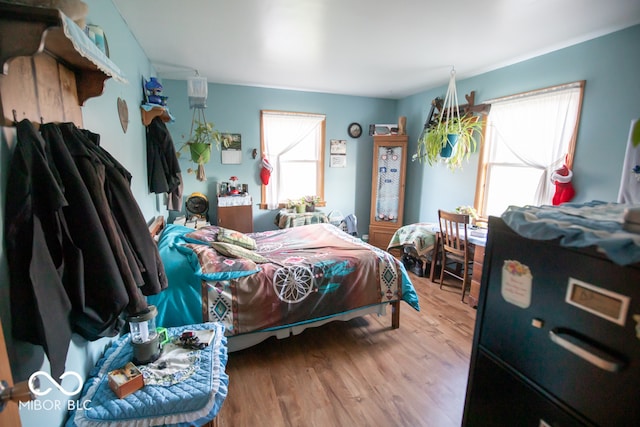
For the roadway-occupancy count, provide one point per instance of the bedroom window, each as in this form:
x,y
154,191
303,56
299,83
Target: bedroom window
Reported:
x,y
528,136
293,144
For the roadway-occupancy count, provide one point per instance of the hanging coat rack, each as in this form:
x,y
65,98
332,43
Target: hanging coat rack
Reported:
x,y
44,43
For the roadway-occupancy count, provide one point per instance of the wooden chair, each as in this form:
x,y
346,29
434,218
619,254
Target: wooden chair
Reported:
x,y
454,248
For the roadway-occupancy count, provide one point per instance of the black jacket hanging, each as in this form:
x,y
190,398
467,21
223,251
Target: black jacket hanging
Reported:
x,y
163,168
42,259
129,216
78,246
101,297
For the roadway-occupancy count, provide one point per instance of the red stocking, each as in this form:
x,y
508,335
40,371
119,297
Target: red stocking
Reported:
x,y
265,172
564,188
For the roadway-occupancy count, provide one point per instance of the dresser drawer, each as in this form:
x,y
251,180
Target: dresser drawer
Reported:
x,y
580,357
477,271
499,394
380,237
476,276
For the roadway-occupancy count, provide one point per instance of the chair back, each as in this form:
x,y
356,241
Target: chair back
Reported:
x,y
453,231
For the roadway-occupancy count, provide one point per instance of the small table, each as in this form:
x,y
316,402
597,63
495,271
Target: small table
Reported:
x,y
194,400
236,213
477,238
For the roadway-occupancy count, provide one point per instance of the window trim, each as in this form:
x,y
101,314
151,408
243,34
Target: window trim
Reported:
x,y
321,163
482,164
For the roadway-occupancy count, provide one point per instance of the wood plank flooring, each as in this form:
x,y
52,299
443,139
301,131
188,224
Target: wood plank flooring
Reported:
x,y
361,372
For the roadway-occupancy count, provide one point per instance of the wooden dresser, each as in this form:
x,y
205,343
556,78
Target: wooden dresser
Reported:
x,y
476,278
234,216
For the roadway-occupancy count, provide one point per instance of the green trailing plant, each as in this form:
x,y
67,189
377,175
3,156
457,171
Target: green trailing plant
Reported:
x,y
297,205
311,200
467,210
199,145
303,204
469,132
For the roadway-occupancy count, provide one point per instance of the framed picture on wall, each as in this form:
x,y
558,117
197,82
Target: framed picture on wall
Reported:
x,y
231,148
338,150
338,146
338,161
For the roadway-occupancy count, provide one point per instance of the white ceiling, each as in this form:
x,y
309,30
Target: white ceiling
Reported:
x,y
377,48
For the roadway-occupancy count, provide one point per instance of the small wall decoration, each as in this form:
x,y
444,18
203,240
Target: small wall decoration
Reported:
x,y
338,150
231,148
123,114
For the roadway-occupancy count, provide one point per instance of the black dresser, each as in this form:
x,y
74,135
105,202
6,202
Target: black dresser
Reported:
x,y
557,341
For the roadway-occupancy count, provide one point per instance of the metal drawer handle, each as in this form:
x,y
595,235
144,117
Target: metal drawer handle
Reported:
x,y
574,343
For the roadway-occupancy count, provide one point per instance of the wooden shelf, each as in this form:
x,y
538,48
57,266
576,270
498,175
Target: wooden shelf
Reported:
x,y
43,54
148,116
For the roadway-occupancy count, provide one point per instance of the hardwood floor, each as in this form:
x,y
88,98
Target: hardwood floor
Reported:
x,y
361,372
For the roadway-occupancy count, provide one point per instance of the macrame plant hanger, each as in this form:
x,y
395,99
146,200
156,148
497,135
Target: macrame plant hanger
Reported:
x,y
450,106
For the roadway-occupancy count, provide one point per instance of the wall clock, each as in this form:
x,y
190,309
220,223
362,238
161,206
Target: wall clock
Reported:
x,y
355,130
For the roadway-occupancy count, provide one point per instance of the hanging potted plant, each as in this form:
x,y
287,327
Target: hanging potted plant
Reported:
x,y
452,137
310,203
200,143
451,141
296,205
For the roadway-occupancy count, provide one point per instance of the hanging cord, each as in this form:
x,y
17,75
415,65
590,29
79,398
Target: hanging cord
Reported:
x,y
198,116
451,101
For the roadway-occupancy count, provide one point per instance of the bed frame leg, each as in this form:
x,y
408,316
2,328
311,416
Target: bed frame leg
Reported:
x,y
395,314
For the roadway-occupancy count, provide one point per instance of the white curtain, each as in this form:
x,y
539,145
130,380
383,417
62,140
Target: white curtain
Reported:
x,y
534,130
282,132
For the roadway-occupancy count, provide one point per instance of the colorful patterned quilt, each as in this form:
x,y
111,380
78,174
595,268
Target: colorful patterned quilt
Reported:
x,y
421,236
311,272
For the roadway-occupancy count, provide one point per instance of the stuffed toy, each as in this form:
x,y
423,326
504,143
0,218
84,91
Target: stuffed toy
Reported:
x,y
564,189
265,172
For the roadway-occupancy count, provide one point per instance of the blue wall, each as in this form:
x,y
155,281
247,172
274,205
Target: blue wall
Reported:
x,y
99,115
236,109
609,64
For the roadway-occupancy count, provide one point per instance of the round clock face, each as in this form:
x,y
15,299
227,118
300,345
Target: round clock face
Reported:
x,y
355,130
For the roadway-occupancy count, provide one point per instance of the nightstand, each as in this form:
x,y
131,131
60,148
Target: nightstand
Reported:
x,y
190,393
236,213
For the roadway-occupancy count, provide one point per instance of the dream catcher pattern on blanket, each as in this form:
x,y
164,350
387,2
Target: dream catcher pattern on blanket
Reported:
x,y
388,194
293,283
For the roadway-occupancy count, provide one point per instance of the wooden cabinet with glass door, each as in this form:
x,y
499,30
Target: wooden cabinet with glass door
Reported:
x,y
387,188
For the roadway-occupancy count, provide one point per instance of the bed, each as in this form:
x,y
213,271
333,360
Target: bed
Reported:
x,y
289,280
